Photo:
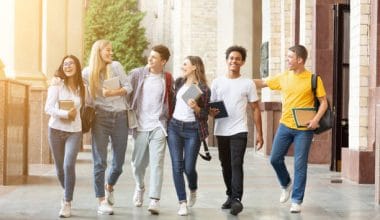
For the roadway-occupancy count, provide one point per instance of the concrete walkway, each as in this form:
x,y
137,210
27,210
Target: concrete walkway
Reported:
x,y
40,197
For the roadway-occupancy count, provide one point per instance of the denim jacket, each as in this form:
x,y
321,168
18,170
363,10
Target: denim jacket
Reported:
x,y
202,102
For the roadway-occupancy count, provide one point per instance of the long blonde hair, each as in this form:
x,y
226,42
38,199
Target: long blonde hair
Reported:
x,y
97,66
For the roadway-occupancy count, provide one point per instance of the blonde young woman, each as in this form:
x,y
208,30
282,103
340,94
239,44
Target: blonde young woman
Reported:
x,y
65,128
187,129
110,121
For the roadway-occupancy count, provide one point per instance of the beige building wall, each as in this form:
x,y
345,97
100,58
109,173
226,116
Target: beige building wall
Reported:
x,y
39,34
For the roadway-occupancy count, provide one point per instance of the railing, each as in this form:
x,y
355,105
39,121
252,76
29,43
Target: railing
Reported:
x,y
14,122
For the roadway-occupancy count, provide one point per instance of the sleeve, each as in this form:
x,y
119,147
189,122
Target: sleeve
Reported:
x,y
320,92
274,82
124,82
205,99
252,92
213,96
51,104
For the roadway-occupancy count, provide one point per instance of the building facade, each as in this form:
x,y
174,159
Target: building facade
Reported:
x,y
342,37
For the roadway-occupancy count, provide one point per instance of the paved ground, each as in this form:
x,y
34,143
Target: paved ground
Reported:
x,y
40,197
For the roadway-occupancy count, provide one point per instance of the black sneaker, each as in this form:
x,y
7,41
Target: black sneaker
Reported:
x,y
227,204
236,207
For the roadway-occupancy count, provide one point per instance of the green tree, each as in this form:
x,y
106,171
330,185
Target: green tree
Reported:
x,y
119,22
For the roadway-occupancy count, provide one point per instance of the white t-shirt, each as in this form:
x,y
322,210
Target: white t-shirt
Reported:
x,y
235,93
182,110
151,105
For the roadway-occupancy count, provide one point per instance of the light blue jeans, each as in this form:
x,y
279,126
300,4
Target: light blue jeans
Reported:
x,y
65,147
149,148
283,139
108,125
184,144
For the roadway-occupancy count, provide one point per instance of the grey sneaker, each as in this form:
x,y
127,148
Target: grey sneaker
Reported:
x,y
295,208
192,199
109,196
285,194
65,211
104,208
154,206
183,209
138,197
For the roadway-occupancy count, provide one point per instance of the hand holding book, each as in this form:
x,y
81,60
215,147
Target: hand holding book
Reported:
x,y
68,105
218,109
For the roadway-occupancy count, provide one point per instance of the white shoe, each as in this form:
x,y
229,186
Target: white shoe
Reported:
x,y
104,208
65,211
138,197
109,196
183,209
192,199
154,206
285,194
295,208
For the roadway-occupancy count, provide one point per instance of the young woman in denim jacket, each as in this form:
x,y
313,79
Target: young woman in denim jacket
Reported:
x,y
186,130
65,127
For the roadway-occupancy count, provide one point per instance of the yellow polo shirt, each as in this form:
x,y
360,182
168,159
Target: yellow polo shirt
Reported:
x,y
295,93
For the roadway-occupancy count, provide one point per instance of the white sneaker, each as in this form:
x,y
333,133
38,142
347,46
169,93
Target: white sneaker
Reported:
x,y
183,209
65,211
138,197
109,196
192,198
104,208
285,194
154,206
295,208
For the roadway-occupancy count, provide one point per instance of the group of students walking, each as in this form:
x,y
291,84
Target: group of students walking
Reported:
x,y
164,118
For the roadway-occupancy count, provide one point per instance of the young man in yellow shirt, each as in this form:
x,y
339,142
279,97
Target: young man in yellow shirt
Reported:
x,y
296,91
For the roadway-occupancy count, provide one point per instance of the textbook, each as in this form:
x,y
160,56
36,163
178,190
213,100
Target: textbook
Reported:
x,y
65,104
112,83
193,92
302,116
221,107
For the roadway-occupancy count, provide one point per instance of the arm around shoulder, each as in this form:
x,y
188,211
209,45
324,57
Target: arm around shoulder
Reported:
x,y
260,83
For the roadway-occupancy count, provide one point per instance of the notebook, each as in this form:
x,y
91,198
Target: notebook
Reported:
x,y
65,104
221,107
112,83
193,92
303,115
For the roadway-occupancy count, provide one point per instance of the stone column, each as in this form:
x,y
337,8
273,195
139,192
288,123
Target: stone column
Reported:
x,y
40,33
2,73
358,159
234,28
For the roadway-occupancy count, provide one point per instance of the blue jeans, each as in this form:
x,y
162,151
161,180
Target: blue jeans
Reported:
x,y
108,125
283,139
65,147
231,155
184,144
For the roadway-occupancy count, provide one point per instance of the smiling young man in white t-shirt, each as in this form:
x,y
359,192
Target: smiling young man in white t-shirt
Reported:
x,y
231,132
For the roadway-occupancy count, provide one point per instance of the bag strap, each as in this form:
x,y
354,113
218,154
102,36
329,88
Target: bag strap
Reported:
x,y
314,78
168,85
314,83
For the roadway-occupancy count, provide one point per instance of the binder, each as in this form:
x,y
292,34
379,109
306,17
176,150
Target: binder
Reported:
x,y
222,108
303,115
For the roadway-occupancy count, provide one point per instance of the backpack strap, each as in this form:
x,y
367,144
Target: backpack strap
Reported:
x,y
314,83
168,94
314,78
